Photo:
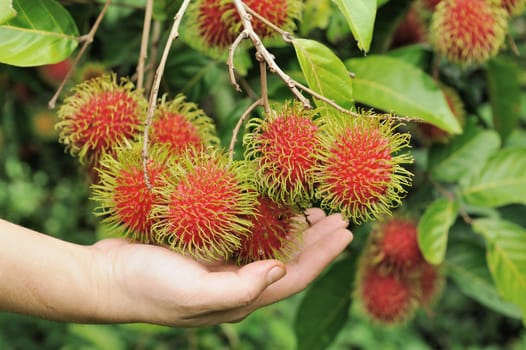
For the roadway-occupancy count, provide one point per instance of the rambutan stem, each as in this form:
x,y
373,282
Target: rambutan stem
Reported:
x,y
265,54
264,87
154,92
286,36
144,43
235,132
87,39
230,61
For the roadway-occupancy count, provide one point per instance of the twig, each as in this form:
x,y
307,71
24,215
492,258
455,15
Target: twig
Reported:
x,y
88,39
154,51
264,87
174,34
235,132
513,45
326,100
144,43
266,55
230,61
451,197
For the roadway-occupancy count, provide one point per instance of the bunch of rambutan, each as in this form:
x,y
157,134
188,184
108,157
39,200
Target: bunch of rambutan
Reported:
x,y
393,279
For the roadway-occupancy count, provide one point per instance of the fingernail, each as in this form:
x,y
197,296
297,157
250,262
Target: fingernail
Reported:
x,y
275,274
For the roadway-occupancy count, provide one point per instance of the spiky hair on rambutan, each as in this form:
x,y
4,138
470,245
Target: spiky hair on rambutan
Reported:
x,y
213,25
125,199
180,124
514,7
283,145
468,31
204,201
360,171
385,297
100,113
393,242
275,233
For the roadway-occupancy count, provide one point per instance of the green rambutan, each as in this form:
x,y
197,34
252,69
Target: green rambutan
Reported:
x,y
204,203
181,124
284,145
125,201
100,113
275,233
385,297
468,31
394,243
360,171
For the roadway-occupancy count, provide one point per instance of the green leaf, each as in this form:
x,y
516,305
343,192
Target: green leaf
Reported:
x,y
6,11
360,15
316,14
506,257
433,229
504,90
43,32
464,154
395,86
324,72
324,309
501,181
466,265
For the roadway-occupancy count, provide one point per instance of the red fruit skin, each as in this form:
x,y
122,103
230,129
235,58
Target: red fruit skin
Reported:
x,y
274,234
431,284
394,243
54,73
386,297
412,30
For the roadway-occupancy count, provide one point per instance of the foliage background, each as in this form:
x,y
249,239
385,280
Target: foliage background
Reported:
x,y
43,188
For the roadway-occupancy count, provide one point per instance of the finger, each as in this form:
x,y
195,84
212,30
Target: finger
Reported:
x,y
225,290
110,243
307,266
313,215
322,227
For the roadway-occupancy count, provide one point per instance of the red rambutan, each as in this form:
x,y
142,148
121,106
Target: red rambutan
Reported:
x,y
468,31
284,146
360,171
394,243
215,24
387,298
205,200
99,114
411,30
123,195
431,284
181,124
275,232
54,73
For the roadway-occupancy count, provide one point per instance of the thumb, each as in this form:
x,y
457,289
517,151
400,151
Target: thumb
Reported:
x,y
231,289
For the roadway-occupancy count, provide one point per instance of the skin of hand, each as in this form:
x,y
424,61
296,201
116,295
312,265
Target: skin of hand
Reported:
x,y
116,281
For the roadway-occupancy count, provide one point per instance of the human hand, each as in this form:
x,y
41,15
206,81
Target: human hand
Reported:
x,y
146,283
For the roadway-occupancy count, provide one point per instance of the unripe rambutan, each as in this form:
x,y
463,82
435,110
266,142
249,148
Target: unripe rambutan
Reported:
x,y
181,124
468,31
514,7
275,232
99,114
205,200
43,124
215,24
284,146
394,243
360,172
385,297
123,195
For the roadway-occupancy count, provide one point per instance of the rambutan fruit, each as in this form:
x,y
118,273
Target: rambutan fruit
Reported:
x,y
215,24
412,29
385,297
431,4
284,146
100,113
514,7
394,243
360,171
124,197
43,124
433,134
54,73
275,233
468,31
431,284
205,200
181,124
